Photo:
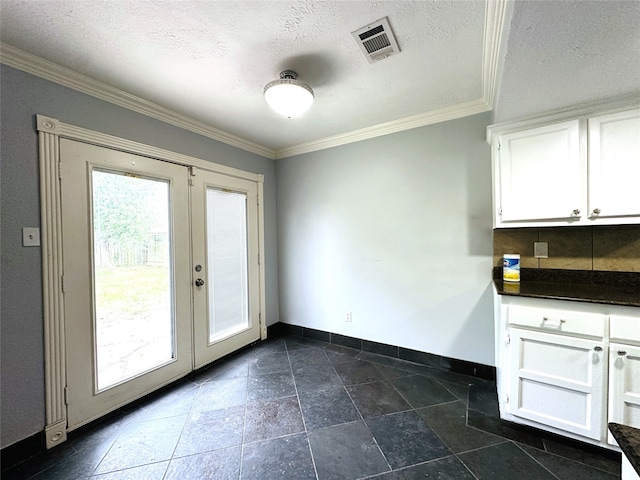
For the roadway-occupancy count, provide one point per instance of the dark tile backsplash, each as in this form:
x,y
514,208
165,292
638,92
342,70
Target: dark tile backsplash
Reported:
x,y
600,248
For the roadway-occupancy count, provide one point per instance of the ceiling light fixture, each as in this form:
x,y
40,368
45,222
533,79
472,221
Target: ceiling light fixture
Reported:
x,y
288,96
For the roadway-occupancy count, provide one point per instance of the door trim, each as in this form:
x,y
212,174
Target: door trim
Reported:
x,y
50,130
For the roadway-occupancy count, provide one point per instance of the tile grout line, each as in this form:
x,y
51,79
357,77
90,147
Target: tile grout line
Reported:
x,y
304,423
121,432
466,466
534,459
405,398
319,344
414,409
507,439
115,440
362,417
323,348
188,415
244,420
454,454
593,249
568,458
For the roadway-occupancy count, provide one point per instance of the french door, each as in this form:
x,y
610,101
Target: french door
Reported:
x,y
225,265
160,265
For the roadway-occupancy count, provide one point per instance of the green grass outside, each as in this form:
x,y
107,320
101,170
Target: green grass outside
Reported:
x,y
131,289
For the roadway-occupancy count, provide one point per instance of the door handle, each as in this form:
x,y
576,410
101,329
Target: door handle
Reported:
x,y
199,282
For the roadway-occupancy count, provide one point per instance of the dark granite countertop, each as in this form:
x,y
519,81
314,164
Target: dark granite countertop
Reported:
x,y
629,440
616,288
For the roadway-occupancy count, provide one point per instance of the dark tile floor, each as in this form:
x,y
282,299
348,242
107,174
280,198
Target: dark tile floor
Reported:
x,y
294,408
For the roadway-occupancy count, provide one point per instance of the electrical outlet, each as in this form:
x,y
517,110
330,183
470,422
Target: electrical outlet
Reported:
x,y
347,316
541,249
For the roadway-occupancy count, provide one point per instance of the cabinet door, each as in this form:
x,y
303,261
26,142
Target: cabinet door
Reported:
x,y
624,385
614,165
558,381
542,174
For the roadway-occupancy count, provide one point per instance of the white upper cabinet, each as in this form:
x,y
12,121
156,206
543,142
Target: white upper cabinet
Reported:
x,y
614,165
580,171
541,173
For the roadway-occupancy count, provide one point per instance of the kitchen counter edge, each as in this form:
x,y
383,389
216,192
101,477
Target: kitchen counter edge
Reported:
x,y
614,288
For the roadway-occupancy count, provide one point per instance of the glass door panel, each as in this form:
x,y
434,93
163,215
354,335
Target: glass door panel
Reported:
x,y
127,282
227,263
134,324
226,301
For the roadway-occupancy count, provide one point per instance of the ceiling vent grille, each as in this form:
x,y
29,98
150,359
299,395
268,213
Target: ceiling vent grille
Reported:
x,y
376,40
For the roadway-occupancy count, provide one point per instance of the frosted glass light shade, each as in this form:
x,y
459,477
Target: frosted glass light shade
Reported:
x,y
288,97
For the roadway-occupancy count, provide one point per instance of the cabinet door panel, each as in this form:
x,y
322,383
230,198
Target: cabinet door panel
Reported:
x,y
542,173
542,359
558,381
569,405
624,385
614,165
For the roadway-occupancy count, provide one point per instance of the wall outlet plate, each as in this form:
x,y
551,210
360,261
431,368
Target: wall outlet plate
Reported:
x,y
541,249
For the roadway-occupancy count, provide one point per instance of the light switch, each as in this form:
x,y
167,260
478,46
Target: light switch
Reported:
x,y
30,237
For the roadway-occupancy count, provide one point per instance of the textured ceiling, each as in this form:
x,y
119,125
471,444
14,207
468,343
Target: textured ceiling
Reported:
x,y
209,60
565,53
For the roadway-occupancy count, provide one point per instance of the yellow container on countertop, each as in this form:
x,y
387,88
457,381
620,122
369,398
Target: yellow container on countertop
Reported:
x,y
511,268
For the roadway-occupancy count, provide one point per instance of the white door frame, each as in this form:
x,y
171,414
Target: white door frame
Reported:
x,y
50,130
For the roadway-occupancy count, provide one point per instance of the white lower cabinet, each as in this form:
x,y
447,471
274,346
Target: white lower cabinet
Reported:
x,y
624,372
568,367
558,381
624,385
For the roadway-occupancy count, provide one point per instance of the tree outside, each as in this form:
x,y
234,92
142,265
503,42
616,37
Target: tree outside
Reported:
x,y
133,306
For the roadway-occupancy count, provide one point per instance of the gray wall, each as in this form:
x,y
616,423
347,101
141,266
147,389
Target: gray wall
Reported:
x,y
22,97
397,230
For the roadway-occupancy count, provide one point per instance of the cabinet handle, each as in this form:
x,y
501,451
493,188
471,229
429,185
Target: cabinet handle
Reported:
x,y
596,211
621,353
597,349
560,322
576,212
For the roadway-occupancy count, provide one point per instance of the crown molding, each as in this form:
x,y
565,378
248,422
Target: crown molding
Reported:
x,y
599,107
494,23
39,67
497,23
408,123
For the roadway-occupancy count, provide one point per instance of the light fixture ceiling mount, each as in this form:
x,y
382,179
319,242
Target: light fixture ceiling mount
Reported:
x,y
288,96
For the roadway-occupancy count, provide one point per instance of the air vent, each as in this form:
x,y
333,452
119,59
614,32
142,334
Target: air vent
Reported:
x,y
376,40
